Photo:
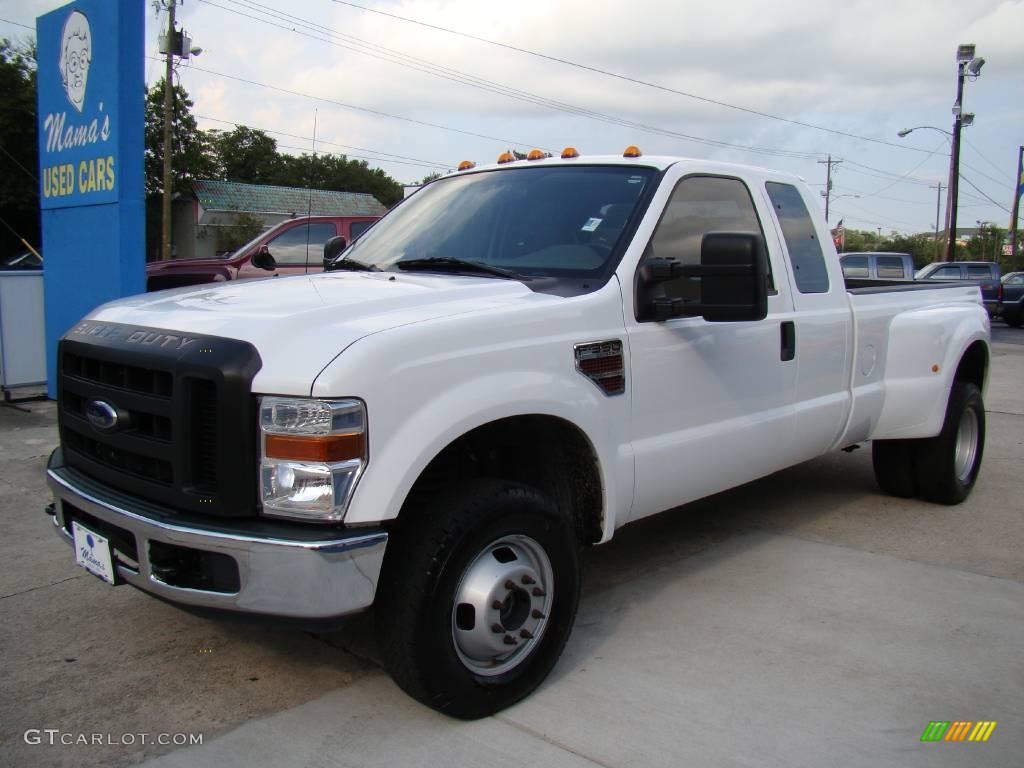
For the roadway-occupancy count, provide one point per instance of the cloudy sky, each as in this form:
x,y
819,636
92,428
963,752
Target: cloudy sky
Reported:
x,y
415,86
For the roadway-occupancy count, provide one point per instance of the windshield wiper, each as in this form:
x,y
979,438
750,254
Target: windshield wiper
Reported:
x,y
448,264
351,265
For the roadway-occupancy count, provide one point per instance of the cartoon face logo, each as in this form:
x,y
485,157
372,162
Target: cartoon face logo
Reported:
x,y
75,56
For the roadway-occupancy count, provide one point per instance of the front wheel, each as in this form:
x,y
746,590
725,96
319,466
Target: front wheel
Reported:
x,y
948,464
478,597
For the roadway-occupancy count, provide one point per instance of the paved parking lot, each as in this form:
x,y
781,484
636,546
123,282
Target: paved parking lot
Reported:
x,y
802,620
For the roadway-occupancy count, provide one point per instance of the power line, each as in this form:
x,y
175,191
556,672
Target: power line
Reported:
x,y
393,56
18,24
343,105
892,184
17,163
629,79
997,205
405,160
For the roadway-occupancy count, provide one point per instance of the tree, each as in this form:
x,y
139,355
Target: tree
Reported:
x,y
338,173
19,160
193,155
430,177
247,155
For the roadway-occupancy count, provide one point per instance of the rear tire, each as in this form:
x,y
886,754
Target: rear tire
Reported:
x,y
893,462
477,598
947,465
1014,318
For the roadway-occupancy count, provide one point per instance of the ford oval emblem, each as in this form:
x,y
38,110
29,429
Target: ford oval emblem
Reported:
x,y
101,415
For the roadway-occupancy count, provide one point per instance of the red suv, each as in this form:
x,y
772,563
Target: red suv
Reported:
x,y
296,245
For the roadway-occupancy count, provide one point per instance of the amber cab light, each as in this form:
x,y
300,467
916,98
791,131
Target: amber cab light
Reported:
x,y
506,157
535,154
465,165
569,153
632,151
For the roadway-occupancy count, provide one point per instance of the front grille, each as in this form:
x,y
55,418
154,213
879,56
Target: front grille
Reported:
x,y
184,433
204,435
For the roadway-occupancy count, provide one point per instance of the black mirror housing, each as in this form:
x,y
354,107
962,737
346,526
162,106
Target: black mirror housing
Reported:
x,y
263,259
733,274
332,248
734,277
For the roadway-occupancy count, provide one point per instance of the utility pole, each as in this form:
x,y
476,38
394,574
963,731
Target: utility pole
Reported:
x,y
165,230
828,181
1014,248
966,65
938,206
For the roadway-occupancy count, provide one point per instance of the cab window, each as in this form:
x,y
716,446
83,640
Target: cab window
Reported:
x,y
805,254
890,267
700,204
855,266
301,245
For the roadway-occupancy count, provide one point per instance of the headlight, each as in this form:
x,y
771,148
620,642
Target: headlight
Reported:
x,y
312,454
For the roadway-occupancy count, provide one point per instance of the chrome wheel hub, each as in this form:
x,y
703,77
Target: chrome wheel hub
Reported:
x,y
502,605
966,446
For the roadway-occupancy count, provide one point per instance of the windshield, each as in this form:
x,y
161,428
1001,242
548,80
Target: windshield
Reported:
x,y
558,221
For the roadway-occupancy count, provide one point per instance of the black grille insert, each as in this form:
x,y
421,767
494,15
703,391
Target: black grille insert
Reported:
x,y
185,432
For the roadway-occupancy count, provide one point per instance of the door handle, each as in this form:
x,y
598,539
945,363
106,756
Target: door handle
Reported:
x,y
788,333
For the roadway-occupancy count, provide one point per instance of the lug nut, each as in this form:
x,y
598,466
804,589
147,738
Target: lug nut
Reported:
x,y
538,592
509,584
497,629
509,640
526,634
537,614
528,580
496,605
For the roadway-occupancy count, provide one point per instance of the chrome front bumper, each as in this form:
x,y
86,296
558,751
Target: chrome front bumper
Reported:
x,y
290,577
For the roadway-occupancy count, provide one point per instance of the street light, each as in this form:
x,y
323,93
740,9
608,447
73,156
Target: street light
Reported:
x,y
967,65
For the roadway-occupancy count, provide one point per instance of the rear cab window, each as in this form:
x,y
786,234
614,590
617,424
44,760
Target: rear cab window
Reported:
x,y
890,267
805,255
855,266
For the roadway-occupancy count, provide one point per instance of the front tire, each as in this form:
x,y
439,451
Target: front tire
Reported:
x,y
947,465
478,597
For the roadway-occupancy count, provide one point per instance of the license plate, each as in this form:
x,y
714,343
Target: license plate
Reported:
x,y
92,552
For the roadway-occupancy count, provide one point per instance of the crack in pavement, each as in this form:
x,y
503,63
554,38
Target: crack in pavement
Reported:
x,y
44,586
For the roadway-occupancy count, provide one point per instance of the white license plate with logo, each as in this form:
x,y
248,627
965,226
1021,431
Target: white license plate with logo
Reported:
x,y
92,552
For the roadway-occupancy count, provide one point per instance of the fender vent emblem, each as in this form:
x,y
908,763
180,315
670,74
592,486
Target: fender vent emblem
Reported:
x,y
602,363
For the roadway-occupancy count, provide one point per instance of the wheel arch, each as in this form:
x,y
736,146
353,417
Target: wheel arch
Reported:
x,y
543,451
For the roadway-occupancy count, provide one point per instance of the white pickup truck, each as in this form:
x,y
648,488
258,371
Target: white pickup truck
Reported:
x,y
515,362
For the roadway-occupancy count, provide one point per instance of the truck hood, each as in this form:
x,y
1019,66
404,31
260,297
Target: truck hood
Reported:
x,y
299,324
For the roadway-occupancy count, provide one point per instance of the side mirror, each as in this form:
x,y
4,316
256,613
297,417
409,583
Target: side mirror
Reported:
x,y
263,259
734,277
733,280
332,248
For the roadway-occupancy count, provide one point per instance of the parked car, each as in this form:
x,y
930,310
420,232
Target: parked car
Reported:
x,y
1013,299
295,247
984,273
877,266
512,364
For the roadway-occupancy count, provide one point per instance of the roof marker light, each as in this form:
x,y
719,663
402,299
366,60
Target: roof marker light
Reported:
x,y
506,157
632,151
465,165
569,153
535,154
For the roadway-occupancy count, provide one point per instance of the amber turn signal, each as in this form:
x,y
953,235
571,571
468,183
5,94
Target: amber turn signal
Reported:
x,y
325,448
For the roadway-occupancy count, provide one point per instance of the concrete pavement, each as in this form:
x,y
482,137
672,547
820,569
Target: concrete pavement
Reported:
x,y
804,619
